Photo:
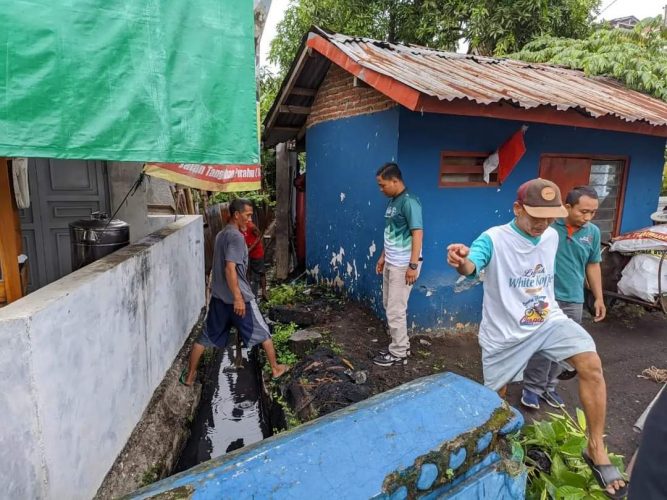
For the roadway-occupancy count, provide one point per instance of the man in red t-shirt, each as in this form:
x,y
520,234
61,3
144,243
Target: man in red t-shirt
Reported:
x,y
256,267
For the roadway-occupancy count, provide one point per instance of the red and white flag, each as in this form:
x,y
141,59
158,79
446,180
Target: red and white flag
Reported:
x,y
505,158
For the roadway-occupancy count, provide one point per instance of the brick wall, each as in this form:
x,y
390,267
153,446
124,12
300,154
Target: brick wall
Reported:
x,y
338,98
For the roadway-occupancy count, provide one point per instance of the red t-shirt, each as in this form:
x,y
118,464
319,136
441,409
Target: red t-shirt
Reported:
x,y
250,238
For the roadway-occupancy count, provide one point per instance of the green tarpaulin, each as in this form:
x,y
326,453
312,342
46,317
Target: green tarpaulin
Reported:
x,y
135,80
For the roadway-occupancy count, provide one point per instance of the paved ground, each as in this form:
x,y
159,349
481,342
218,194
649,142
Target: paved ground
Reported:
x,y
628,341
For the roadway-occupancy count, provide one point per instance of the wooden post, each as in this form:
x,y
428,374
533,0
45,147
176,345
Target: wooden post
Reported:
x,y
283,189
10,241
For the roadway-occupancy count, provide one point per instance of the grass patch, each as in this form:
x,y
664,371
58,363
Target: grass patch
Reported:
x,y
328,341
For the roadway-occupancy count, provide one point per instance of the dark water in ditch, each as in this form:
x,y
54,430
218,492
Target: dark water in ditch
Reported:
x,y
232,412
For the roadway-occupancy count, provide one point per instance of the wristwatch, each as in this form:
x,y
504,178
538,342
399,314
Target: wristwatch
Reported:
x,y
413,266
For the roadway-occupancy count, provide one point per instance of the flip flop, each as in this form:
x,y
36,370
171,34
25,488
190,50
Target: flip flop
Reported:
x,y
605,475
181,379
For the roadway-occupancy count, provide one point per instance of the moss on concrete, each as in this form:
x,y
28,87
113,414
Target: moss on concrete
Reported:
x,y
441,457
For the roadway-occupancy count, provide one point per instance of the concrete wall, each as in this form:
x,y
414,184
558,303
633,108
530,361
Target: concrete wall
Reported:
x,y
81,357
156,222
346,209
134,211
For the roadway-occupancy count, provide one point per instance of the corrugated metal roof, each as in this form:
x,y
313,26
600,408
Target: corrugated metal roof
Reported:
x,y
443,82
484,80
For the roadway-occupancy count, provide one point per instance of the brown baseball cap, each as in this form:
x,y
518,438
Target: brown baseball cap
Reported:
x,y
541,199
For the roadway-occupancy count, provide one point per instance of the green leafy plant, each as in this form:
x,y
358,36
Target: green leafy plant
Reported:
x,y
256,197
286,294
291,420
556,469
281,336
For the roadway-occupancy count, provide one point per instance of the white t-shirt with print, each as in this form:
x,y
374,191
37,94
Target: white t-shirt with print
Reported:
x,y
518,287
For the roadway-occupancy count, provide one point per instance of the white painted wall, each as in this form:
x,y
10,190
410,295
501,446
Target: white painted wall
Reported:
x,y
156,222
134,210
81,357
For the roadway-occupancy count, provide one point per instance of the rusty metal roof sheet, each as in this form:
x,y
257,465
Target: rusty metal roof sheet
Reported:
x,y
486,80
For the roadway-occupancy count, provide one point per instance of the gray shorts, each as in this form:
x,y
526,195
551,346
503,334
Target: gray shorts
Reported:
x,y
557,341
572,310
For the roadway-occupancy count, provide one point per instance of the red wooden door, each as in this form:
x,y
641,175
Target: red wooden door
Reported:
x,y
566,172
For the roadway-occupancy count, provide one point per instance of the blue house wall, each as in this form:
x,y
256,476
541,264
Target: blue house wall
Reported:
x,y
345,207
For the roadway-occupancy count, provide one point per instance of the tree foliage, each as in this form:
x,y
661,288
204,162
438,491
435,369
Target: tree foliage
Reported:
x,y
498,27
490,26
636,57
269,85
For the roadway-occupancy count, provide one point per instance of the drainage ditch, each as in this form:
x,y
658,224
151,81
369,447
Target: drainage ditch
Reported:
x,y
234,410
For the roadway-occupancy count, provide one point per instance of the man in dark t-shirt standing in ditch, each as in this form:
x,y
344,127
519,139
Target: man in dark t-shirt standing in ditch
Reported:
x,y
232,301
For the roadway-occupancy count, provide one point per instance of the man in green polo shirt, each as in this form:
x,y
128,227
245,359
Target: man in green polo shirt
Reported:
x,y
400,260
578,258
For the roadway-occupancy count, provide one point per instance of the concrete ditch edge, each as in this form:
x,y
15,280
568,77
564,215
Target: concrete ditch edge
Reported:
x,y
153,449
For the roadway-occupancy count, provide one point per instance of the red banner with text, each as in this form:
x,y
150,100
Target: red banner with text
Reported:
x,y
228,178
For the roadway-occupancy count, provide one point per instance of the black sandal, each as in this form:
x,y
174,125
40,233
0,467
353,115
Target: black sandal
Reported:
x,y
605,475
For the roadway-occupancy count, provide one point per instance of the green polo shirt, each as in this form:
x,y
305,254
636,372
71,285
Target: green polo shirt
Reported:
x,y
403,215
574,254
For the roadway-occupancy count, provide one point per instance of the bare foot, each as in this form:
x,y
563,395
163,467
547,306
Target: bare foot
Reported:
x,y
190,379
600,457
279,370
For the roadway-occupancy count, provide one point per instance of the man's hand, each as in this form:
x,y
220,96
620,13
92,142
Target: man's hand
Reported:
x,y
380,265
457,254
239,306
411,276
600,310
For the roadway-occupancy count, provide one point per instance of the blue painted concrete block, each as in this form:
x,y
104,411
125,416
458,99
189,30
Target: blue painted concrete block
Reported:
x,y
484,442
428,475
457,458
385,447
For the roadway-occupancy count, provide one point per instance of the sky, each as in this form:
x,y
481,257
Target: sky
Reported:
x,y
610,9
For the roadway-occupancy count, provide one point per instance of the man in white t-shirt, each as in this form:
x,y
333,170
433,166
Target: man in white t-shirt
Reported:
x,y
521,316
